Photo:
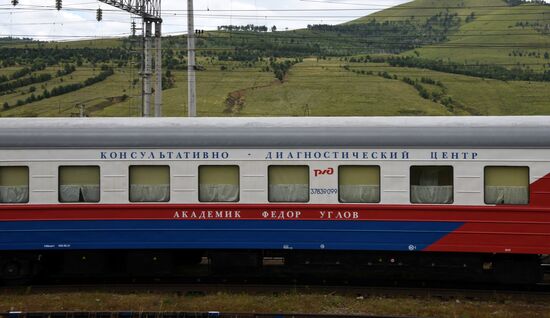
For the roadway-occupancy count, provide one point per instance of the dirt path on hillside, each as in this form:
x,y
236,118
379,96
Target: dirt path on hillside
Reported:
x,y
236,100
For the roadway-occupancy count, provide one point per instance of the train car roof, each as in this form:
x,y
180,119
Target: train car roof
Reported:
x,y
294,132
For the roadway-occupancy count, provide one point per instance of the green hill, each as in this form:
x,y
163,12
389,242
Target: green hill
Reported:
x,y
489,31
422,10
425,57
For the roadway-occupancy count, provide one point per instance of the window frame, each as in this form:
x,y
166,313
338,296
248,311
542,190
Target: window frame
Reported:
x,y
76,166
149,202
506,166
28,184
199,183
308,184
453,179
379,183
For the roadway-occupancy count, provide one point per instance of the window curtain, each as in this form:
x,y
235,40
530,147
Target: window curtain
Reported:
x,y
79,193
149,184
14,194
14,184
361,193
507,185
359,184
79,184
219,193
288,192
288,183
219,183
506,195
150,192
432,194
431,188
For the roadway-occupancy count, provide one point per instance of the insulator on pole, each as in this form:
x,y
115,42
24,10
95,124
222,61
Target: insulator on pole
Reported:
x,y
99,14
15,2
58,4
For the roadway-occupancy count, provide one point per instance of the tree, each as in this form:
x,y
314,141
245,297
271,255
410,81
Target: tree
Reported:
x,y
6,106
274,28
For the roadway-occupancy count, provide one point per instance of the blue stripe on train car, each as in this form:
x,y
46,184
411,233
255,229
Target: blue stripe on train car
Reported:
x,y
334,235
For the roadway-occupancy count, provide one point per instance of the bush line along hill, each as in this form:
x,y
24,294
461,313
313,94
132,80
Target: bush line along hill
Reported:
x,y
455,43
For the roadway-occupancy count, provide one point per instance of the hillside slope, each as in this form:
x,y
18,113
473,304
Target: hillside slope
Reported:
x,y
489,31
454,57
422,10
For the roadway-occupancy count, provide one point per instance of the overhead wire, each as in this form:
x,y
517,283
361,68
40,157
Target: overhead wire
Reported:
x,y
288,18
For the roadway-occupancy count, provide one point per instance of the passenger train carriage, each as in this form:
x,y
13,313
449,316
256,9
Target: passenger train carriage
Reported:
x,y
410,188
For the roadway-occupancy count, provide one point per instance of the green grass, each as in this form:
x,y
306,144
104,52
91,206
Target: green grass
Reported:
x,y
213,87
324,87
72,44
492,39
421,10
65,105
487,97
269,303
312,88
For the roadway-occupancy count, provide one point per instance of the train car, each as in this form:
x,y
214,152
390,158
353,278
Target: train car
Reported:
x,y
413,192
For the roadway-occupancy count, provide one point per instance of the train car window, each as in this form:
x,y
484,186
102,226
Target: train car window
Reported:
x,y
149,183
79,184
507,185
14,184
288,183
359,184
219,183
432,185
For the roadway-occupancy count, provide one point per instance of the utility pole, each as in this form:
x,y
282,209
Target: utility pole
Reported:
x,y
150,12
158,62
191,63
147,70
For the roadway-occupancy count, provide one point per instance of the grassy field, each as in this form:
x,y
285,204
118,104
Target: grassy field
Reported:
x,y
324,88
312,88
493,36
505,307
498,34
497,39
486,96
65,105
421,10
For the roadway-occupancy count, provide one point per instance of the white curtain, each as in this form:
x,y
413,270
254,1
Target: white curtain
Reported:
x,y
289,192
506,195
150,192
16,194
360,193
73,192
432,194
429,177
219,193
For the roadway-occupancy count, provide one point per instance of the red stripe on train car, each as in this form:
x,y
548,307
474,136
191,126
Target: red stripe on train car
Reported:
x,y
331,212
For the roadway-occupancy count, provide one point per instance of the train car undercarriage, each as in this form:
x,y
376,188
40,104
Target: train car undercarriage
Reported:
x,y
293,265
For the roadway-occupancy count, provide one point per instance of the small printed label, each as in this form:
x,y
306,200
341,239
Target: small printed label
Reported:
x,y
324,191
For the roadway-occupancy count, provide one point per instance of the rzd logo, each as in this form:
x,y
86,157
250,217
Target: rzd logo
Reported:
x,y
328,172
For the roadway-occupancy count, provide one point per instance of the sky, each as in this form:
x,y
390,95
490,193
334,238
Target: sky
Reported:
x,y
38,19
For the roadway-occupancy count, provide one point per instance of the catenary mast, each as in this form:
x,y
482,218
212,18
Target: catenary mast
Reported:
x,y
150,12
191,63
